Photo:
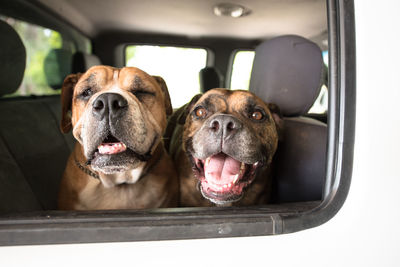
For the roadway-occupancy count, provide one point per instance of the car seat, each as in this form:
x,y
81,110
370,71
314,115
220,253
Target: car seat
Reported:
x,y
209,78
33,151
288,71
81,62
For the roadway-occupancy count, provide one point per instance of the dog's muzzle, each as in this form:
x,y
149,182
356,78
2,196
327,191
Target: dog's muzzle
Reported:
x,y
221,161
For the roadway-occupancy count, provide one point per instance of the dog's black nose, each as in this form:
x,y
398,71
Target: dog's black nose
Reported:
x,y
109,105
225,125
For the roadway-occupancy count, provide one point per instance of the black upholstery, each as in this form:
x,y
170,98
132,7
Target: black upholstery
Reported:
x,y
37,148
12,59
209,78
300,168
288,71
33,151
81,62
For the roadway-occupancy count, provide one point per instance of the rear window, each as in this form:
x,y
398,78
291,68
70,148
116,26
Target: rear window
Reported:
x,y
178,66
241,70
38,42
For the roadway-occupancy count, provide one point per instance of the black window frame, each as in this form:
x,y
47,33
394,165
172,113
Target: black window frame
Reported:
x,y
56,227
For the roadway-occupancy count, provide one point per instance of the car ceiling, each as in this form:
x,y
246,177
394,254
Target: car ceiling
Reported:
x,y
194,18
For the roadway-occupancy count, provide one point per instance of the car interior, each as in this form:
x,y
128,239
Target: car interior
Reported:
x,y
287,40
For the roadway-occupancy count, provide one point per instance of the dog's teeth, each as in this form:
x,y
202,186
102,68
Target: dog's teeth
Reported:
x,y
225,186
207,161
230,185
236,178
255,164
242,167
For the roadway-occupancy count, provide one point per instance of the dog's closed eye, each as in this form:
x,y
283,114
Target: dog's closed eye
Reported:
x,y
142,93
86,94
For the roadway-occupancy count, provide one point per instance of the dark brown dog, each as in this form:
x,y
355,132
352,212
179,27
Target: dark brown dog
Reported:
x,y
224,149
118,117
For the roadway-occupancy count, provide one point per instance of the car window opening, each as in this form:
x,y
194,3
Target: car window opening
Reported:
x,y
35,153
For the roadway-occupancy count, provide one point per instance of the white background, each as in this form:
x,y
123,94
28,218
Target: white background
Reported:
x,y
365,232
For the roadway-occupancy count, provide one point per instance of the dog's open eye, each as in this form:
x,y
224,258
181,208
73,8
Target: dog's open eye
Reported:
x,y
258,115
200,112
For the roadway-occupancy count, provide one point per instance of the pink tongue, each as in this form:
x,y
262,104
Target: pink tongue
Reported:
x,y
111,148
222,169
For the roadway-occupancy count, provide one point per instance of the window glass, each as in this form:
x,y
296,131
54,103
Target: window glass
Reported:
x,y
178,66
321,103
241,70
38,42
325,57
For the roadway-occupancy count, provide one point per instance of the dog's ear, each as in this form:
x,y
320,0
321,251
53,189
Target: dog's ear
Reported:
x,y
278,119
167,98
184,110
67,92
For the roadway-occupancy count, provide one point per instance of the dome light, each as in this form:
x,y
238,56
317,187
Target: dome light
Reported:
x,y
231,10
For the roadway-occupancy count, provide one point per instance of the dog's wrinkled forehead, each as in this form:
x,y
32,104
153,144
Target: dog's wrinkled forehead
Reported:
x,y
104,78
227,101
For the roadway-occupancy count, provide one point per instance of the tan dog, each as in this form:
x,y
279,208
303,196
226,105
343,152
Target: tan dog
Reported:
x,y
225,148
118,117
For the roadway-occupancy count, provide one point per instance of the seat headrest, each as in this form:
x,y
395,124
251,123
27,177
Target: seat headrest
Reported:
x,y
209,78
57,65
12,59
288,71
81,62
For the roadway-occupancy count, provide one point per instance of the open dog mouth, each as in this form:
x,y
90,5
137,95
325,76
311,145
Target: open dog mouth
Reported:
x,y
110,146
223,178
112,155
